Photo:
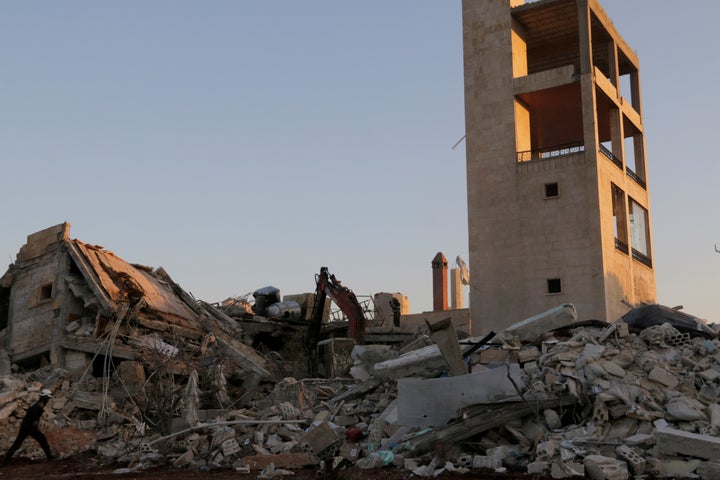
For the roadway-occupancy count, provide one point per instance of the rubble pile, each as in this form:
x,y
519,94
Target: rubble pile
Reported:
x,y
549,396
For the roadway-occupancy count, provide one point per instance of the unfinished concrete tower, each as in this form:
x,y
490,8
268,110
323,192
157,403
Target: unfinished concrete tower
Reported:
x,y
558,201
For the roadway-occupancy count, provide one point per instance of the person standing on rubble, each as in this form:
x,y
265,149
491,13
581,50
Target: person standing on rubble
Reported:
x,y
30,426
395,306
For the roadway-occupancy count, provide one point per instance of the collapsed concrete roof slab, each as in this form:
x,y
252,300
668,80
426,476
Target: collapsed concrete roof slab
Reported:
x,y
116,281
532,329
435,401
66,295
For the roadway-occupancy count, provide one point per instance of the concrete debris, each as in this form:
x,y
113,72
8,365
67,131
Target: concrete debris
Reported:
x,y
145,375
591,401
434,401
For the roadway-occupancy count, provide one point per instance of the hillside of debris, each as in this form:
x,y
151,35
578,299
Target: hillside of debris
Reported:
x,y
546,396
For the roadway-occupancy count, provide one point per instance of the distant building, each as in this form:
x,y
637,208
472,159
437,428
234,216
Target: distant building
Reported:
x,y
558,202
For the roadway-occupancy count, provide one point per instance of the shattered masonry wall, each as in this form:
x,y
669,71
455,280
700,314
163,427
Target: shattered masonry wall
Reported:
x,y
33,293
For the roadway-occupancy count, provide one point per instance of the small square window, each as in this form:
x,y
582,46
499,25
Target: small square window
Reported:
x,y
552,190
46,292
554,285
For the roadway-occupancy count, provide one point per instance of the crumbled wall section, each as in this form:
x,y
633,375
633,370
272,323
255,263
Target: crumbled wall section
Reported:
x,y
33,297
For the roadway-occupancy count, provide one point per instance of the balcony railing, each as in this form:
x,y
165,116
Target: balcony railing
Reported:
x,y
605,151
636,177
621,246
550,152
642,258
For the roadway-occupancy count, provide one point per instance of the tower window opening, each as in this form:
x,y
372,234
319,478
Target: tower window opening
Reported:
x,y
619,219
640,233
552,190
554,286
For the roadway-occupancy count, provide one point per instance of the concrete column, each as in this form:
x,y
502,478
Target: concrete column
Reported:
x,y
440,282
456,293
445,337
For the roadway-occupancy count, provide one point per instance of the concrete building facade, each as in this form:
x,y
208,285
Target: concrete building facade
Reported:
x,y
558,202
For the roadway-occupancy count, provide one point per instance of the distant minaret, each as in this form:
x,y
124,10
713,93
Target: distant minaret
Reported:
x,y
440,282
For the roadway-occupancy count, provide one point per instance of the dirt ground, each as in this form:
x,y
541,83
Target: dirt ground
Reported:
x,y
85,466
78,462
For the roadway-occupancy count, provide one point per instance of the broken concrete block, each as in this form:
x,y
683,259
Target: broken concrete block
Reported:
x,y
88,400
484,461
528,354
320,438
532,428
107,450
641,439
673,467
500,452
423,361
369,355
184,459
595,370
538,468
710,375
493,355
709,470
563,469
7,410
685,409
390,442
599,467
671,441
230,447
533,328
590,353
445,337
662,376
72,327
636,463
345,420
434,401
713,411
359,372
613,368
220,436
464,461
552,419
132,375
350,451
620,429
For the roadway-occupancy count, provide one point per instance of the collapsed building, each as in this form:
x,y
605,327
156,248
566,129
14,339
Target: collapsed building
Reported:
x,y
62,299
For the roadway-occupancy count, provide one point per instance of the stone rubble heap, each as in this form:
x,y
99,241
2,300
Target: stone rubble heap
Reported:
x,y
547,397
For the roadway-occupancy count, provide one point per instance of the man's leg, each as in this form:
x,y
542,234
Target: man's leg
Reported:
x,y
42,440
22,435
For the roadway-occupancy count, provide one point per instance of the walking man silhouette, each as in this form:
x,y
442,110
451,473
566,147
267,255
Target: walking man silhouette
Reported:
x,y
30,426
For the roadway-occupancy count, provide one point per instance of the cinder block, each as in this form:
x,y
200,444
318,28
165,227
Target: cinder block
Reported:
x,y
635,462
599,467
230,447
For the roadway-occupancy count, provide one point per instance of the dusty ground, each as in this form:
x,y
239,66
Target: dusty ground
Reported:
x,y
77,462
84,466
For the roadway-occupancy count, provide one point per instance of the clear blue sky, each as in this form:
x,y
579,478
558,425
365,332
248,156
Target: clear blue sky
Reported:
x,y
241,144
